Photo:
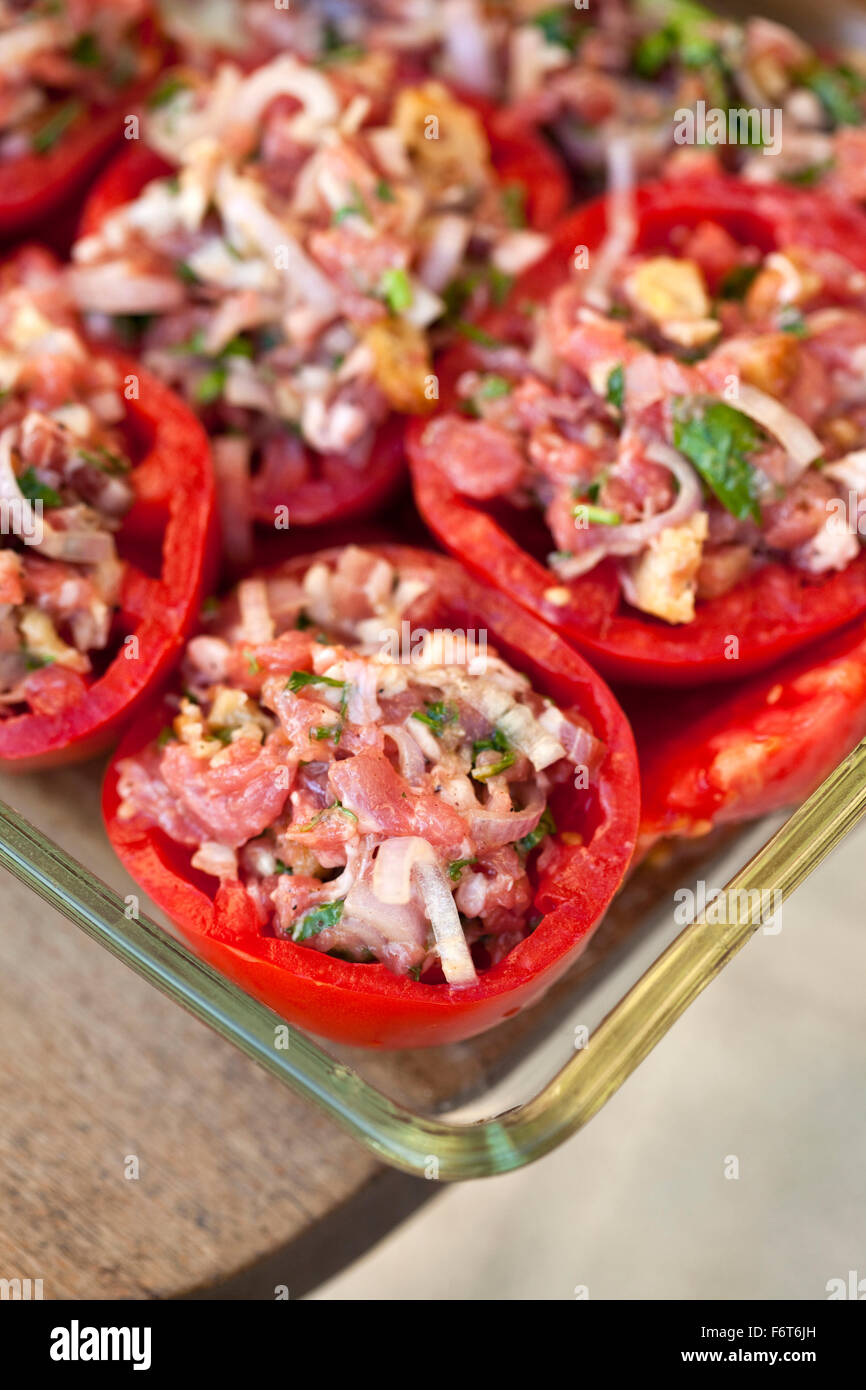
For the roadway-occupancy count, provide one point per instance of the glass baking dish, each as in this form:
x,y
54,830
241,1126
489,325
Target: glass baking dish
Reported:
x,y
497,1102
500,1101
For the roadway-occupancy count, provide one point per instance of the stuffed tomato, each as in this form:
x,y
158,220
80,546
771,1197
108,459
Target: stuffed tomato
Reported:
x,y
388,802
711,758
660,452
297,261
69,74
108,526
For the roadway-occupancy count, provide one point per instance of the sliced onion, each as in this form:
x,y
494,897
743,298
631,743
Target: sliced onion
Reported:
x,y
518,251
231,456
116,288
581,746
490,830
445,250
257,625
622,223
468,46
800,443
516,721
393,865
454,955
412,761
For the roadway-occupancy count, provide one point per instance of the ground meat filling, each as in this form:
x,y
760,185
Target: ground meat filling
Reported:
x,y
691,414
379,799
64,488
291,278
58,58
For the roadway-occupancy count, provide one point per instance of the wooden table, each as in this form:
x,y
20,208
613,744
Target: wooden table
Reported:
x,y
242,1186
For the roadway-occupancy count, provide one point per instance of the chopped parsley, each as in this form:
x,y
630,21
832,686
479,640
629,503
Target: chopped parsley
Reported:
x,y
165,735
615,392
209,387
52,130
298,679
792,321
456,867
560,26
34,661
396,288
318,920
737,282
493,387
384,192
281,868
437,715
326,811
595,516
477,335
166,92
838,90
483,774
35,491
86,51
496,740
253,666
718,439
514,205
546,826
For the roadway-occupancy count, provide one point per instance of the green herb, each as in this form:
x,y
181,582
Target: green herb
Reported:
x,y
483,774
546,826
437,716
495,740
323,731
129,327
303,621
792,321
316,921
326,811
494,387
34,662
281,868
808,176
239,346
718,439
737,282
396,289
653,52
560,26
595,516
837,90
500,285
356,209
514,205
106,461
165,735
298,679
334,50
186,273
384,192
86,51
209,387
46,137
456,867
477,335
615,392
34,491
414,972
166,92
252,664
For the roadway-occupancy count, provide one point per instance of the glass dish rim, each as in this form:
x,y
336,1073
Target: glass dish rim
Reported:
x,y
422,1145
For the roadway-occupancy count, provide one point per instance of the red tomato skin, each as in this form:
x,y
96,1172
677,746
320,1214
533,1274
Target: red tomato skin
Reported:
x,y
366,1005
771,615
170,531
711,758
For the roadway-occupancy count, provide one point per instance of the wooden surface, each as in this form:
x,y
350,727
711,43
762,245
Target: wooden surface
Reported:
x,y
242,1186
